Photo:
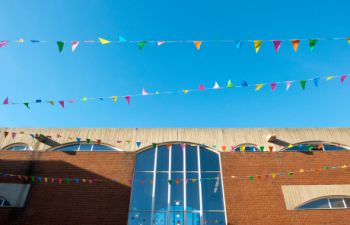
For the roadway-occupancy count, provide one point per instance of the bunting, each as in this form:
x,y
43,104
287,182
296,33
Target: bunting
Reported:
x,y
197,44
257,45
60,45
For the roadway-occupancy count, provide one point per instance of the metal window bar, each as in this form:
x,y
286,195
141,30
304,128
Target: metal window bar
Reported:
x,y
154,182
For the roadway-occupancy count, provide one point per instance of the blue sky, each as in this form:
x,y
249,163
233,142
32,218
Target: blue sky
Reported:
x,y
38,71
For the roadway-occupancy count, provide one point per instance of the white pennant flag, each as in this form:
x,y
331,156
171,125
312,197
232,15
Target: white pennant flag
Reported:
x,y
74,45
216,85
144,92
159,43
288,84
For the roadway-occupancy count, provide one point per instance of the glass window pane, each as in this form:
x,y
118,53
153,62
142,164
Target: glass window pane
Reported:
x,y
160,218
163,159
192,218
97,147
177,192
192,194
212,192
333,148
176,158
68,148
317,204
85,147
213,218
176,218
141,196
336,202
161,194
137,218
191,158
145,160
19,148
209,160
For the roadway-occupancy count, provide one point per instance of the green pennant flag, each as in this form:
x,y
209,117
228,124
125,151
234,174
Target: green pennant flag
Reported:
x,y
251,178
142,44
262,148
60,45
326,167
154,145
170,182
312,44
68,180
229,84
309,147
27,104
303,84
88,140
290,173
32,178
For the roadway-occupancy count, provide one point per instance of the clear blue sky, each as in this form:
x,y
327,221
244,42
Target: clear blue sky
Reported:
x,y
30,71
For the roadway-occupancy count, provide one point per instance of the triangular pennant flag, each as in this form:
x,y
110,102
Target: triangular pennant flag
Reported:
x,y
197,44
183,146
61,103
26,104
138,143
60,45
168,146
329,77
121,39
316,80
244,83
32,135
242,148
78,140
201,87
185,91
251,178
216,85
6,101
35,41
88,140
239,45
258,86
295,44
127,98
223,148
141,44
103,41
115,98
288,84
273,175
159,43
348,40
6,133
52,103
2,43
342,78
303,84
13,135
290,146
273,86
229,84
262,148
84,99
38,101
144,92
271,148
257,45
312,44
277,44
21,41
154,145
74,45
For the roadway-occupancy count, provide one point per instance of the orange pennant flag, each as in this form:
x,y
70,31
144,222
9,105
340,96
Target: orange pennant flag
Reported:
x,y
197,44
168,146
295,44
257,45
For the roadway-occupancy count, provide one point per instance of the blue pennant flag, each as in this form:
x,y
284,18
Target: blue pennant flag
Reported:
x,y
316,80
244,83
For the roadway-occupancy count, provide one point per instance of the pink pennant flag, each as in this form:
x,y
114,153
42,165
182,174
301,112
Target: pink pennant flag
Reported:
x,y
233,148
13,135
6,101
127,98
288,84
144,92
61,103
159,43
342,78
2,43
273,85
74,45
201,87
277,44
183,146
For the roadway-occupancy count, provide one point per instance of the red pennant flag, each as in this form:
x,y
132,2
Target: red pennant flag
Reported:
x,y
201,87
342,78
6,133
61,103
98,141
273,85
6,101
223,148
270,148
13,135
277,44
127,98
60,180
168,146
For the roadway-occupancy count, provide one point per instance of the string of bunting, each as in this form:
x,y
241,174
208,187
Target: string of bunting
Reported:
x,y
257,43
201,88
224,148
60,180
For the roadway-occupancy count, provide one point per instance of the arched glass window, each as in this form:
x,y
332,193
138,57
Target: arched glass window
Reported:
x,y
177,184
18,147
327,203
315,146
4,202
247,148
83,146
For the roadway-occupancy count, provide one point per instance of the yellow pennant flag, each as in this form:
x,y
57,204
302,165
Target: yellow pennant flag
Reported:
x,y
290,146
257,45
103,41
197,44
258,87
301,171
273,175
185,91
348,39
243,148
329,77
115,98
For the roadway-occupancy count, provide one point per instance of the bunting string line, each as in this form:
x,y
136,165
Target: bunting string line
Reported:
x,y
201,88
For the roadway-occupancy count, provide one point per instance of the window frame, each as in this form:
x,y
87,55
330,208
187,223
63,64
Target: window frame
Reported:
x,y
4,201
28,147
256,148
329,198
154,182
323,143
92,143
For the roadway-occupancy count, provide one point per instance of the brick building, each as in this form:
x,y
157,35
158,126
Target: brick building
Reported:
x,y
175,176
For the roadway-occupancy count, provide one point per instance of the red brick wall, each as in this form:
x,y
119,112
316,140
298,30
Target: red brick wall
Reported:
x,y
257,202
